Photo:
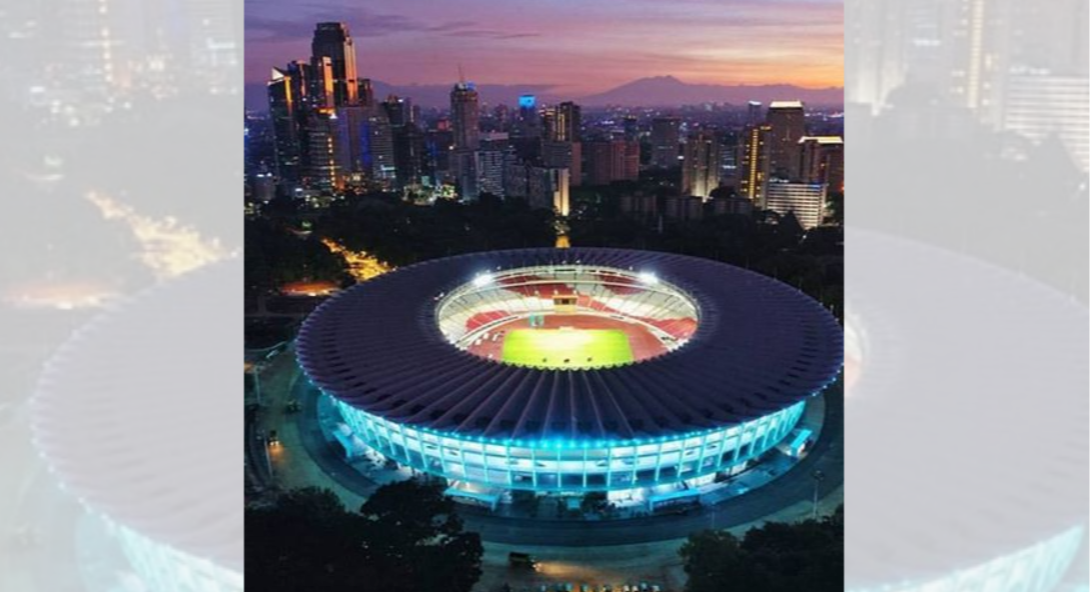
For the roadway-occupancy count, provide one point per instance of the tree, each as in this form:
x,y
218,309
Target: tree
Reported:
x,y
307,540
776,557
405,538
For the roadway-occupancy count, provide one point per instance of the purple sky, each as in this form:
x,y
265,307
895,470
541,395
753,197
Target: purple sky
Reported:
x,y
581,46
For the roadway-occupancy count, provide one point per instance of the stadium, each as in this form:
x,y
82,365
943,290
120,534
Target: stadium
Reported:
x,y
571,370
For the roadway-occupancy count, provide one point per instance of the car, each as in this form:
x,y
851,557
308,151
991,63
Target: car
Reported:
x,y
274,439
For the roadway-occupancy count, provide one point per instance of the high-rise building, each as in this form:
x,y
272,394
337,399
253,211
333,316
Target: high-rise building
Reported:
x,y
439,145
515,176
324,94
527,121
822,160
786,127
1037,106
548,189
754,164
465,120
98,37
564,155
399,110
562,123
409,154
806,201
323,158
665,139
753,113
490,170
333,41
631,125
465,116
612,160
284,112
701,165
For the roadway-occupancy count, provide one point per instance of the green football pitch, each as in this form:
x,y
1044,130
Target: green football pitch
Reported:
x,y
566,348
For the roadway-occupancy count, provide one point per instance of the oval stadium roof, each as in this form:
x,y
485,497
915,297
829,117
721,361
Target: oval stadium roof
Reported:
x,y
760,346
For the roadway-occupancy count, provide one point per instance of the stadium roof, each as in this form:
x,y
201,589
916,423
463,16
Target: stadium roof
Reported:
x,y
760,346
130,414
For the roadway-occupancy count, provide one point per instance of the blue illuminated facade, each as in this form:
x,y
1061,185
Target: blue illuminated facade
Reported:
x,y
563,465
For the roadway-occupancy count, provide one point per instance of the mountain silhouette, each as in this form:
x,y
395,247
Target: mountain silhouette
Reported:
x,y
657,91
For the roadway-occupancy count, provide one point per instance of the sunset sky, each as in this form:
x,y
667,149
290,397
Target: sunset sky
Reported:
x,y
579,46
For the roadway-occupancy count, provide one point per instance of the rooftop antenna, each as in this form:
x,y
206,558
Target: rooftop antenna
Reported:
x,y
461,76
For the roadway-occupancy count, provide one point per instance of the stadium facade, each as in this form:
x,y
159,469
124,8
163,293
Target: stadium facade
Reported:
x,y
723,362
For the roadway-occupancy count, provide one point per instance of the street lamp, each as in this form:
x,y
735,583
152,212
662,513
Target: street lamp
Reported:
x,y
818,477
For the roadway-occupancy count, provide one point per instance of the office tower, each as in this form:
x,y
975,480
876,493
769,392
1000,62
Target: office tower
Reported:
x,y
786,127
323,158
399,110
1038,106
465,120
98,39
564,155
284,112
515,176
213,29
323,83
613,160
408,140
665,137
379,158
409,154
490,170
804,200
701,168
822,160
754,164
753,113
561,123
438,148
631,126
527,121
547,188
333,41
365,93
465,116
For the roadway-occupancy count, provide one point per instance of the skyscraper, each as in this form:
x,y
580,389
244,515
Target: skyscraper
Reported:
x,y
566,155
98,36
562,123
822,160
399,110
806,201
613,160
284,113
465,116
465,120
323,159
333,41
753,113
665,138
701,169
754,164
786,127
527,122
490,170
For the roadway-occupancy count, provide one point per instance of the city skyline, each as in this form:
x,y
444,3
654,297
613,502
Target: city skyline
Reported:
x,y
568,48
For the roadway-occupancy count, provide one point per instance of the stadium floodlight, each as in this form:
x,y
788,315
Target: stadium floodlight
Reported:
x,y
648,277
482,280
